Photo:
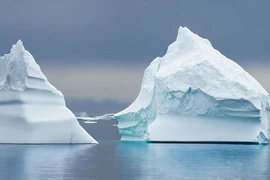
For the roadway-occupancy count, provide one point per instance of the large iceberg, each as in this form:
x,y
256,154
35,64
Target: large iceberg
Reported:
x,y
31,109
195,94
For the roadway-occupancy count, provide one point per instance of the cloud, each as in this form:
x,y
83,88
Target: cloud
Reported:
x,y
93,107
261,72
96,82
129,31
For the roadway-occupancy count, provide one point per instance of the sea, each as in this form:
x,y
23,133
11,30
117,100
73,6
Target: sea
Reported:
x,y
120,160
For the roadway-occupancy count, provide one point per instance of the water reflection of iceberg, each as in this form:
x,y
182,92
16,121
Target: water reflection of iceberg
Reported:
x,y
135,161
25,162
194,161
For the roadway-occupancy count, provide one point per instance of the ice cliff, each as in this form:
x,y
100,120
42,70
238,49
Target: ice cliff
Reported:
x,y
194,93
31,109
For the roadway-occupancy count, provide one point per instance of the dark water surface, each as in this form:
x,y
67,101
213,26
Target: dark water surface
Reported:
x,y
128,161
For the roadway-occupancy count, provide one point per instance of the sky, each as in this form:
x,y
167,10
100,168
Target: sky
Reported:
x,y
96,51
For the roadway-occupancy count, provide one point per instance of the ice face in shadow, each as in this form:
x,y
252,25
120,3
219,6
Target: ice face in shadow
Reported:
x,y
31,109
195,82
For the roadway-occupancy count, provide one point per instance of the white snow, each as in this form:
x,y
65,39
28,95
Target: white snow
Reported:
x,y
31,109
195,80
105,117
90,122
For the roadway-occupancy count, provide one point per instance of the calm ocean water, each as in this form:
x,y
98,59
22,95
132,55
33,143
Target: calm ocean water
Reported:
x,y
135,161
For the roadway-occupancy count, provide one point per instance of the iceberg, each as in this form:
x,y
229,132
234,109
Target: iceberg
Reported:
x,y
33,111
195,94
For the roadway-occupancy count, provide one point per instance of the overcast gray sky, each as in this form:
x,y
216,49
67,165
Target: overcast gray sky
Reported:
x,y
95,51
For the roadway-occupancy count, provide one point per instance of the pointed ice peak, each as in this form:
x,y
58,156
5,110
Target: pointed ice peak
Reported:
x,y
187,41
18,47
20,54
184,31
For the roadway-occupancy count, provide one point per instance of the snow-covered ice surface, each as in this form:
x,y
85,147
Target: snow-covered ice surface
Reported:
x,y
194,93
105,117
31,109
